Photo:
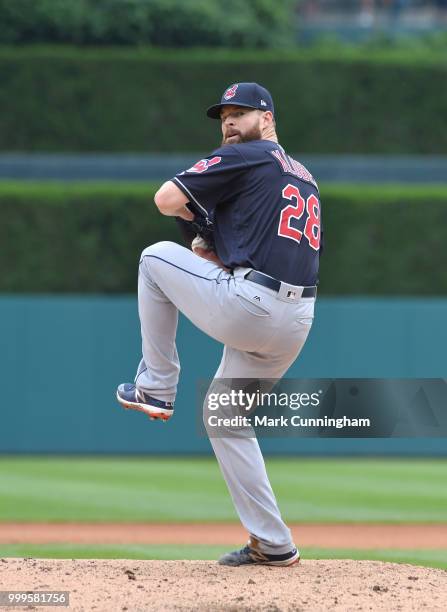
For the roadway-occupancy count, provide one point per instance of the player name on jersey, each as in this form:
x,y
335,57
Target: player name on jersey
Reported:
x,y
291,166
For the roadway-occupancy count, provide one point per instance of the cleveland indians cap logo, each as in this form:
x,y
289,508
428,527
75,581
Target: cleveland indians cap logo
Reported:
x,y
231,92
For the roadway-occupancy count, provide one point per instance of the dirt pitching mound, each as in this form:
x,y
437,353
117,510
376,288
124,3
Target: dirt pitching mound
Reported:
x,y
109,585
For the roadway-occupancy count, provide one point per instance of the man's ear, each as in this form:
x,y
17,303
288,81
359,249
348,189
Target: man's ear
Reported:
x,y
268,118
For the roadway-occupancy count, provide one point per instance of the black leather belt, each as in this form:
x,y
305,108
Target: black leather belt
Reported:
x,y
272,283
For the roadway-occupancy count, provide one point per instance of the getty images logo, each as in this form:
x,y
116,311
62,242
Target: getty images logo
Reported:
x,y
250,400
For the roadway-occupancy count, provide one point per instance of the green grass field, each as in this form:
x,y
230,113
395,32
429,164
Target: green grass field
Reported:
x,y
192,490
183,489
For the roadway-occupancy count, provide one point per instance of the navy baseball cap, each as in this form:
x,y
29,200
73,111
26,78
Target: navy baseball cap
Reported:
x,y
251,95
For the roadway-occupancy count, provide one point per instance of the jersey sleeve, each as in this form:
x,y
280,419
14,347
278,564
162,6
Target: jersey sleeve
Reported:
x,y
213,179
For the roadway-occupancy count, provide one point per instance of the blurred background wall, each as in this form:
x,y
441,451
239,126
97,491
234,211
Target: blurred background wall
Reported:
x,y
102,100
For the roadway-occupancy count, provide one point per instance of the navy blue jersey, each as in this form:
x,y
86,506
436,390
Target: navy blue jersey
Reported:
x,y
265,208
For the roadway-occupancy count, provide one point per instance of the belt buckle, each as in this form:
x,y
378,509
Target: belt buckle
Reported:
x,y
287,293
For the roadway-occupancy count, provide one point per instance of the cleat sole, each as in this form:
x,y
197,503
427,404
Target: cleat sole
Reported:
x,y
155,414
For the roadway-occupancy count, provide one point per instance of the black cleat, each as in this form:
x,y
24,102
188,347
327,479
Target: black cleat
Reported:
x,y
250,556
131,398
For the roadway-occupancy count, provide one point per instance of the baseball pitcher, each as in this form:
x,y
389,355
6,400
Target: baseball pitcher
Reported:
x,y
253,216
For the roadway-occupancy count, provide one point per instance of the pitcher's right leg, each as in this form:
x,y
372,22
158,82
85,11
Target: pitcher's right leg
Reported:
x,y
242,465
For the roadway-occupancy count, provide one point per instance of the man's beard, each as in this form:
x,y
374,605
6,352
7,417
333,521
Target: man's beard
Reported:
x,y
253,134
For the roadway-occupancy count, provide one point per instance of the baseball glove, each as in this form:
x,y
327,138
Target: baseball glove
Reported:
x,y
200,226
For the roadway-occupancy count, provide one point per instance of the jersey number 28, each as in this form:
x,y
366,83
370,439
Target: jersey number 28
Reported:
x,y
296,211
